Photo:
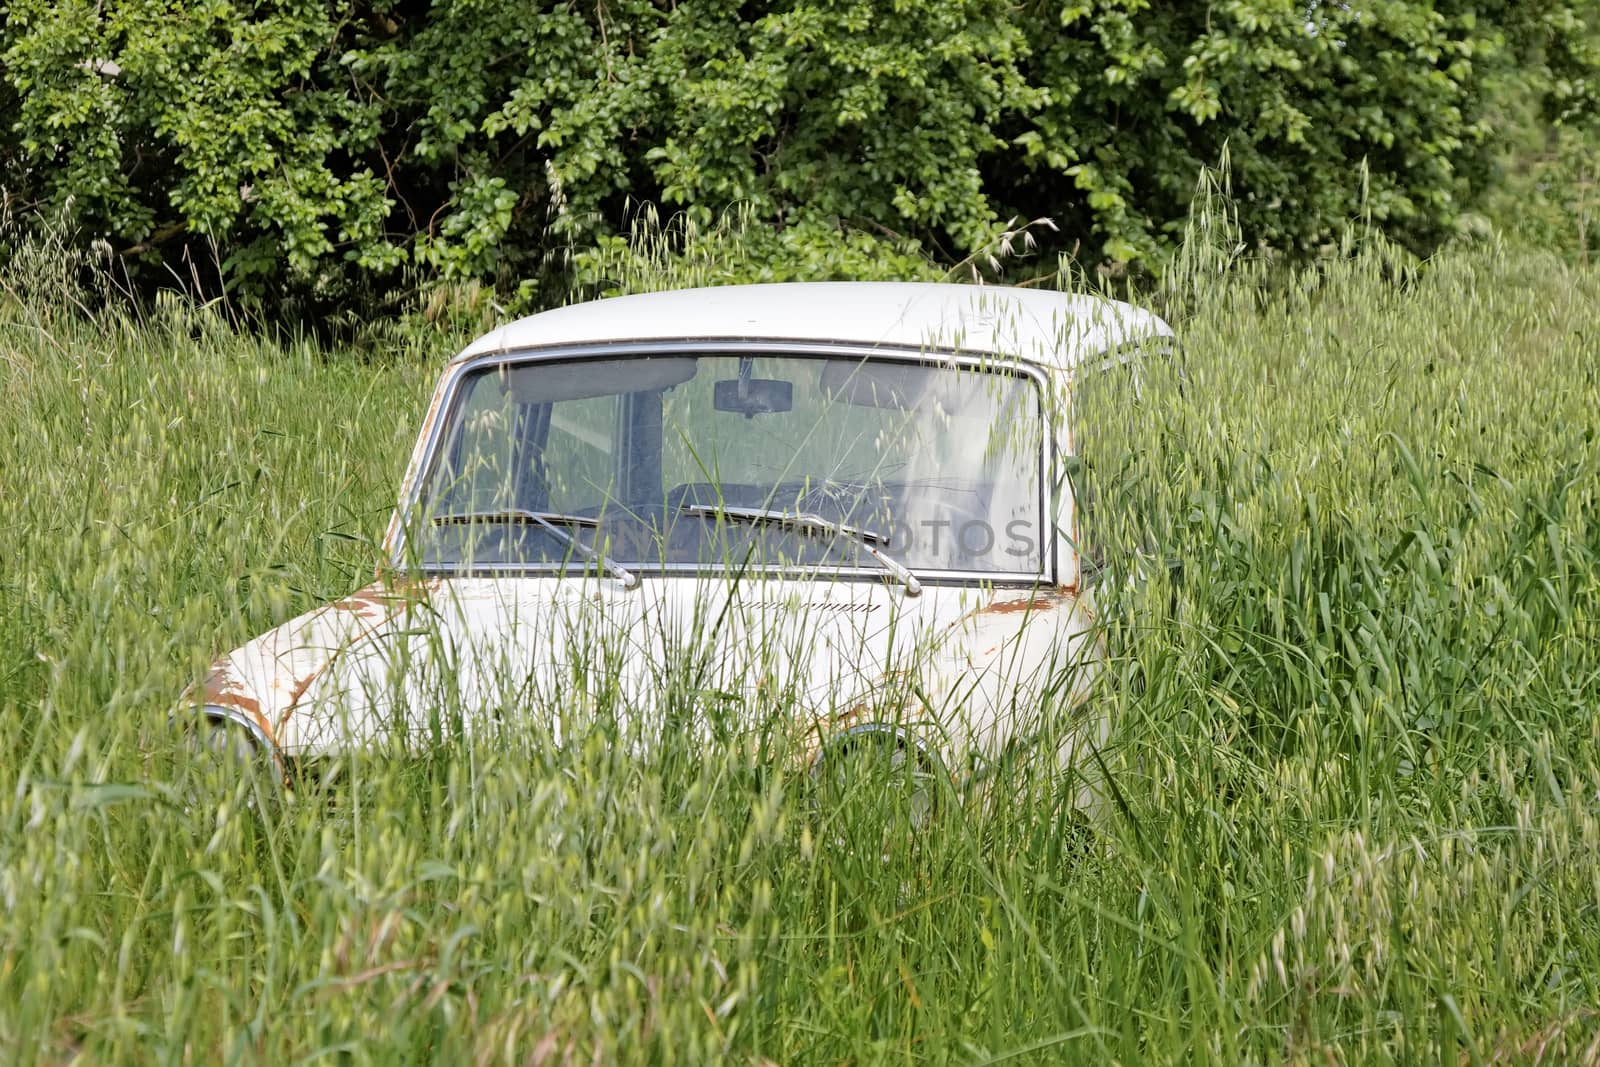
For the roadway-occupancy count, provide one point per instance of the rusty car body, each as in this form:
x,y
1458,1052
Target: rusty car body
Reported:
x,y
844,501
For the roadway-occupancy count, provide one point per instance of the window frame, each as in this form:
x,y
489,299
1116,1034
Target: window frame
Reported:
x,y
435,446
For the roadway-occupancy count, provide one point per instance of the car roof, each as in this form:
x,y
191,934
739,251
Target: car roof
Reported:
x,y
1052,329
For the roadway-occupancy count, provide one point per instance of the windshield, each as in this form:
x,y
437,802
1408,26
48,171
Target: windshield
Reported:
x,y
644,461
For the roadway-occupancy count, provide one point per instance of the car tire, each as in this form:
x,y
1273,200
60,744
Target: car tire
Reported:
x,y
876,780
225,765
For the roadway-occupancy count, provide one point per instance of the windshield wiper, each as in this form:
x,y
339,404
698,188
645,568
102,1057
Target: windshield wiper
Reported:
x,y
808,522
547,521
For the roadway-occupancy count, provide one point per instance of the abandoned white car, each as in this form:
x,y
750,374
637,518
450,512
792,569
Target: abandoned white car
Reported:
x,y
831,514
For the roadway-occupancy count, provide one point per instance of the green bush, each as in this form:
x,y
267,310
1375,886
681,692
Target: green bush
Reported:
x,y
327,147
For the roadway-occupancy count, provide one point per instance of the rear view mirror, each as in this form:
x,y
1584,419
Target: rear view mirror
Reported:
x,y
753,396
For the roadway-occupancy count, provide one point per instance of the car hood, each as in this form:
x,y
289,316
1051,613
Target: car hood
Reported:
x,y
414,656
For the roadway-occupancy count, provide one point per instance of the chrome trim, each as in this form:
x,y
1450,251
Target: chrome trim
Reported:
x,y
997,579
239,718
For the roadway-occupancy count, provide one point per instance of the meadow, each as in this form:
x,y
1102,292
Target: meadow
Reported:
x,y
1355,696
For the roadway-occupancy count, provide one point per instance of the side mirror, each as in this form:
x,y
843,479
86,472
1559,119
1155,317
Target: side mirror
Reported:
x,y
753,396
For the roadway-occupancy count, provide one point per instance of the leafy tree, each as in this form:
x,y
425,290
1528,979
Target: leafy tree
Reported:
x,y
325,146
224,121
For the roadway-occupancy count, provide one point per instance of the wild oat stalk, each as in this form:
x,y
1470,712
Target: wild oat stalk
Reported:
x,y
1355,696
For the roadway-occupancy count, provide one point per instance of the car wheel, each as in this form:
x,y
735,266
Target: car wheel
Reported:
x,y
225,765
876,792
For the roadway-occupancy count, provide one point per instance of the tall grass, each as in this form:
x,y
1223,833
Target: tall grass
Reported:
x,y
1357,796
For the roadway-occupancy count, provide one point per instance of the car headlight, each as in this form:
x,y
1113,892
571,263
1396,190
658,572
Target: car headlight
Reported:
x,y
217,730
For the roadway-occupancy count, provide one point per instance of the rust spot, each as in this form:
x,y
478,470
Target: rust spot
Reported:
x,y
374,605
1039,602
226,691
850,716
383,599
300,687
366,607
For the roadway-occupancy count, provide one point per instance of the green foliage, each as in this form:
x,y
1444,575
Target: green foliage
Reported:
x,y
735,247
1550,194
330,147
220,120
